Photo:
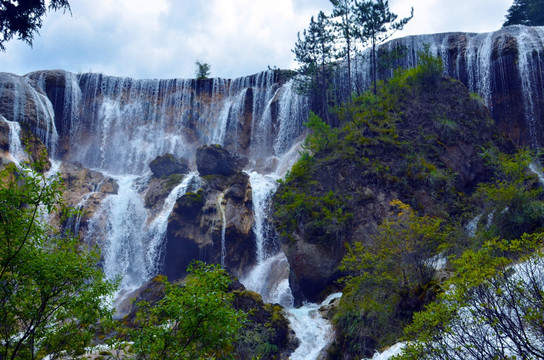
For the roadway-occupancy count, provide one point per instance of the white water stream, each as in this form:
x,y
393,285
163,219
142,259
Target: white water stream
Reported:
x,y
313,331
270,277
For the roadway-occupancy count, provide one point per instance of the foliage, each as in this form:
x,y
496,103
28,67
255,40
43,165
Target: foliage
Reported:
x,y
375,24
320,219
202,70
53,294
512,202
322,136
525,12
21,19
388,279
430,68
492,309
192,321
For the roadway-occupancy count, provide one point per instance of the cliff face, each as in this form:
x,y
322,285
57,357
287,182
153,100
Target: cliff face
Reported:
x,y
506,68
414,142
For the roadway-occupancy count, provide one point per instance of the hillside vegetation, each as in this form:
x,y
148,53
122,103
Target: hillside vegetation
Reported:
x,y
380,201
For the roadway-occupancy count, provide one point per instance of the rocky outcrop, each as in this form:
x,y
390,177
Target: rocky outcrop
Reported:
x,y
85,190
167,165
438,135
214,160
217,218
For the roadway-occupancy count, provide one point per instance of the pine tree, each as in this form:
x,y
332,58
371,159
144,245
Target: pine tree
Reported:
x,y
344,25
375,24
314,51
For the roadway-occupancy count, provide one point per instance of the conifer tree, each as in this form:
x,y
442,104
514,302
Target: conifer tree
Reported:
x,y
375,24
314,52
21,19
342,12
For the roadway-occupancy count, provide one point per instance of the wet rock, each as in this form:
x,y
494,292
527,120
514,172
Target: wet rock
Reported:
x,y
4,136
85,189
214,160
196,224
167,165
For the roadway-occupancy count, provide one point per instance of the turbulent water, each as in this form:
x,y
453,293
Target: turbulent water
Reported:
x,y
119,125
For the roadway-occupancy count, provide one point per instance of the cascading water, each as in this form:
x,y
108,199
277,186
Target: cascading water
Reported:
x,y
26,105
498,65
16,149
156,230
313,331
270,277
223,228
119,125
114,128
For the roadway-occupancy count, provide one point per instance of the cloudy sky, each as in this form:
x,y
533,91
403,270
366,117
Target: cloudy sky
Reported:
x,y
163,38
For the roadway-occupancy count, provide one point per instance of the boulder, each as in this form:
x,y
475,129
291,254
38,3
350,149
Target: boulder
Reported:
x,y
199,220
214,160
167,165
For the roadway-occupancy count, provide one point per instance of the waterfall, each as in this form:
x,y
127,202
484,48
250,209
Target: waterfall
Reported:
x,y
221,207
118,125
113,125
16,149
503,67
156,230
270,276
23,103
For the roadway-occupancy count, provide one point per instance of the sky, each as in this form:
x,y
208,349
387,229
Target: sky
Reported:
x,y
163,38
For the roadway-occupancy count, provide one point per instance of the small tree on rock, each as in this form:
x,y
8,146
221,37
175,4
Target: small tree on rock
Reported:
x,y
203,70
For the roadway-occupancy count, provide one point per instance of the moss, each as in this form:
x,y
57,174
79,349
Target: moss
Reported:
x,y
172,181
191,200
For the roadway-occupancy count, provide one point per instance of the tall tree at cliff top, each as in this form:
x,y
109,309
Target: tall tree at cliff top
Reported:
x,y
526,12
314,52
374,25
344,24
22,19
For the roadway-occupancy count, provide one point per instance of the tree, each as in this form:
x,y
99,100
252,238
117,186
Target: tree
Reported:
x,y
375,24
192,321
388,279
53,295
315,51
21,19
202,70
525,12
512,203
344,25
493,308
